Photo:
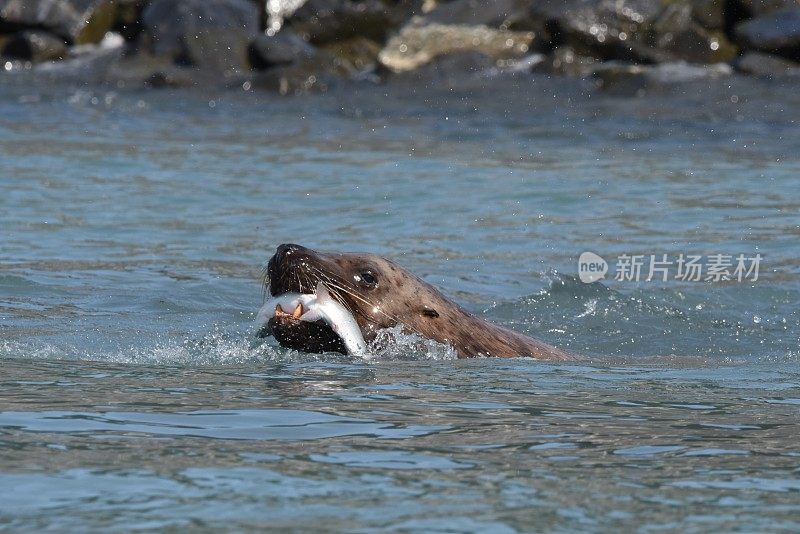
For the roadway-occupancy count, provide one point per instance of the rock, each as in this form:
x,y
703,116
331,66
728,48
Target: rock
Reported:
x,y
417,44
77,21
648,31
526,64
606,30
35,46
456,66
756,8
143,70
502,14
325,21
128,22
280,49
333,64
171,77
357,55
682,72
696,45
316,74
564,60
710,14
462,72
486,67
777,32
87,63
626,79
766,66
210,34
213,50
621,78
675,31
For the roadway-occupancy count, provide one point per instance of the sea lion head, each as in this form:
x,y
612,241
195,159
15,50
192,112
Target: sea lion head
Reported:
x,y
379,294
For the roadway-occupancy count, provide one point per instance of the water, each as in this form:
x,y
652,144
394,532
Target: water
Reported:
x,y
135,225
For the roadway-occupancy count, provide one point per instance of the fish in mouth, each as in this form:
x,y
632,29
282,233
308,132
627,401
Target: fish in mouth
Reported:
x,y
339,302
316,307
303,311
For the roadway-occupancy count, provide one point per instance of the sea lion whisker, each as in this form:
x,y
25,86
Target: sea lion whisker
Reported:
x,y
337,285
374,307
334,285
351,291
315,275
311,283
336,289
265,281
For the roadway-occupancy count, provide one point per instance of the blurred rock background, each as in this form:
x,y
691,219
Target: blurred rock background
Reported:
x,y
296,46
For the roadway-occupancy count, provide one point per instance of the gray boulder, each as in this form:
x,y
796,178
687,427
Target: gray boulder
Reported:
x,y
418,44
326,21
77,21
756,8
503,14
314,75
710,14
766,65
334,64
35,46
358,56
564,60
648,31
210,34
88,63
777,32
461,70
128,22
636,80
283,48
681,72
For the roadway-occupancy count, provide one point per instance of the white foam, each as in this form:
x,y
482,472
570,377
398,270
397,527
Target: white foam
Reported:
x,y
212,349
394,344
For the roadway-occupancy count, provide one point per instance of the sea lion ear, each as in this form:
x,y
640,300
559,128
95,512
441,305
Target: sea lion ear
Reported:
x,y
429,312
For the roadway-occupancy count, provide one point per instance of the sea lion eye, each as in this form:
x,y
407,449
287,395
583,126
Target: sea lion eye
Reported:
x,y
367,278
430,312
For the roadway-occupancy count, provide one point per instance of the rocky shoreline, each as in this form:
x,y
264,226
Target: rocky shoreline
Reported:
x,y
298,46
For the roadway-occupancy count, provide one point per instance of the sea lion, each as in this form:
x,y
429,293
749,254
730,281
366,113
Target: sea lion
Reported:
x,y
380,294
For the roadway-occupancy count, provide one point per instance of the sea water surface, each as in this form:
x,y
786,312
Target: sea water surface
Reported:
x,y
134,226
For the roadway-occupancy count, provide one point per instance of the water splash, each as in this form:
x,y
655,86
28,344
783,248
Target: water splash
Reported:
x,y
394,344
221,348
216,348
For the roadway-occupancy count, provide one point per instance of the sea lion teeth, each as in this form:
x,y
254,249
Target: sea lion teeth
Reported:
x,y
278,310
298,311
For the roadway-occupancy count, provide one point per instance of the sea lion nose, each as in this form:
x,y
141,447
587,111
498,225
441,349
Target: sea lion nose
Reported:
x,y
287,249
